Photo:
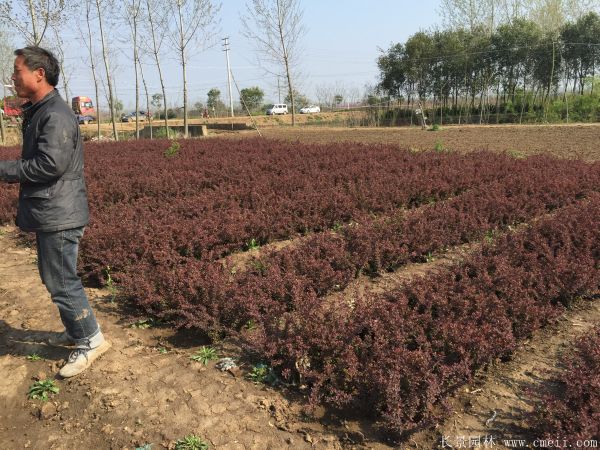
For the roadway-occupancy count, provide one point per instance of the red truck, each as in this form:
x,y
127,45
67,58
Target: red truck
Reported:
x,y
12,108
83,107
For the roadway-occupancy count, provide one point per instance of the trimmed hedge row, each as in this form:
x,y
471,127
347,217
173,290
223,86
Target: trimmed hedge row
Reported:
x,y
399,355
325,262
215,197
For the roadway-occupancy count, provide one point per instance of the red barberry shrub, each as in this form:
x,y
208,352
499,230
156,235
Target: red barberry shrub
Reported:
x,y
572,413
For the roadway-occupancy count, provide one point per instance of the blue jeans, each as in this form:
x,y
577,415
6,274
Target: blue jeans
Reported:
x,y
57,264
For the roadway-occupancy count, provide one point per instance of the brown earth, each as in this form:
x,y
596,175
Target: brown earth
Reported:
x,y
579,141
147,390
144,390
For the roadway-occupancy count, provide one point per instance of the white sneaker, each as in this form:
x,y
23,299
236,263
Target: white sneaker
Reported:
x,y
82,358
61,340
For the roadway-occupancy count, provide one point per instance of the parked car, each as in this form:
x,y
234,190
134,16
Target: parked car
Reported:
x,y
85,119
278,108
310,109
130,117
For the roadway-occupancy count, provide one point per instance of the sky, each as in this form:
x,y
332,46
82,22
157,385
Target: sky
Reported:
x,y
341,46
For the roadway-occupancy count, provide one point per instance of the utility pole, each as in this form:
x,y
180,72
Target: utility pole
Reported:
x,y
226,50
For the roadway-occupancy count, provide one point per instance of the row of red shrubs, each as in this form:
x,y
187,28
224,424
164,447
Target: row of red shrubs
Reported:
x,y
201,294
572,414
399,355
215,197
160,223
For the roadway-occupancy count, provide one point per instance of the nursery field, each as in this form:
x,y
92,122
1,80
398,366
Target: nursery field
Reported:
x,y
364,286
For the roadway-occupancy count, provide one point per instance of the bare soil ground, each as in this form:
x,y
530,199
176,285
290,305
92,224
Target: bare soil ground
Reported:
x,y
137,394
578,141
134,394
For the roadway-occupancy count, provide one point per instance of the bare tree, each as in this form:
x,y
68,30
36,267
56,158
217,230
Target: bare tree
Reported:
x,y
148,112
354,94
511,10
101,7
155,29
324,94
89,43
552,14
193,26
133,12
276,27
465,14
472,14
32,18
59,50
6,67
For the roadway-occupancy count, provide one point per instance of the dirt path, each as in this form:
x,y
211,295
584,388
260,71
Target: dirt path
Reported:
x,y
498,403
134,394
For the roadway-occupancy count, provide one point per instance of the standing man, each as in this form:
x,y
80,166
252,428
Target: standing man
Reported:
x,y
53,200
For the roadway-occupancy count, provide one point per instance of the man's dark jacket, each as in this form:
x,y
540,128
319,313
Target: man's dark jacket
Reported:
x,y
52,195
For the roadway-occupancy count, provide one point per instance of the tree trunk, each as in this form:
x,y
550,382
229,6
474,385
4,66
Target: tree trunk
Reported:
x,y
286,62
498,102
183,72
108,77
185,97
2,131
137,83
148,115
64,81
36,38
157,59
90,48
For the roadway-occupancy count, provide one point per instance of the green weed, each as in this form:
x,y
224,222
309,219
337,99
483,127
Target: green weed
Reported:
x,y
34,357
110,284
204,355
191,442
144,324
435,127
173,149
516,154
261,373
489,236
162,133
259,266
40,390
252,245
337,227
439,147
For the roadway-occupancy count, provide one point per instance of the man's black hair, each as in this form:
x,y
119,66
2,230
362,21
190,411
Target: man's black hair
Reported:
x,y
40,58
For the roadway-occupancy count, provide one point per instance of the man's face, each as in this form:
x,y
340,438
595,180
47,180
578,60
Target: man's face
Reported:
x,y
27,82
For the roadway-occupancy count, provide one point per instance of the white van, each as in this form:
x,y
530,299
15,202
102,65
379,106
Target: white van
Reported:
x,y
278,108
